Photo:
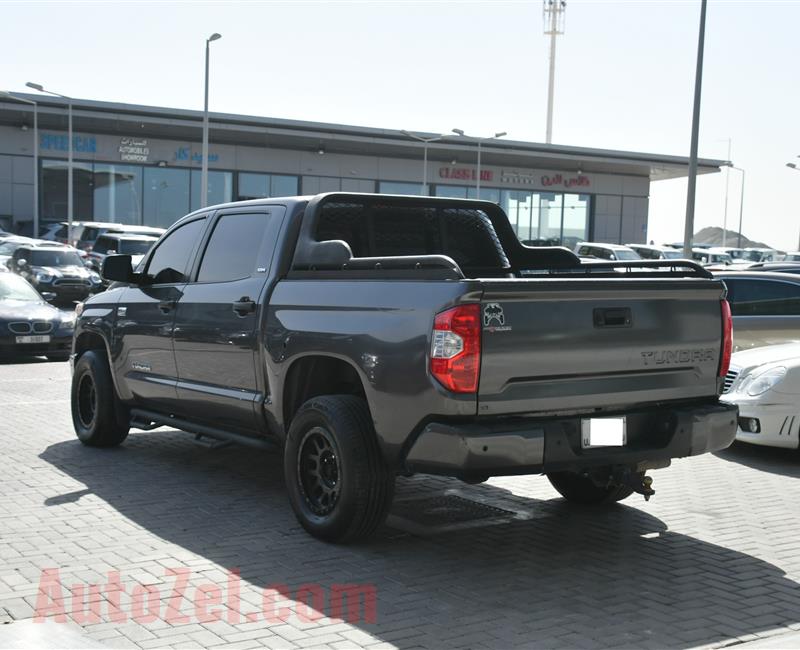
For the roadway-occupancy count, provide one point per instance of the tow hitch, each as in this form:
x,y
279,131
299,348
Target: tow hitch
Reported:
x,y
637,481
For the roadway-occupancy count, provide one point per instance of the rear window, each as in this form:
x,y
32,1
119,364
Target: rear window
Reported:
x,y
763,297
465,235
102,245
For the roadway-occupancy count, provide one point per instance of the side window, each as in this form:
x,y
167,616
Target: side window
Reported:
x,y
584,250
763,298
169,261
233,247
101,245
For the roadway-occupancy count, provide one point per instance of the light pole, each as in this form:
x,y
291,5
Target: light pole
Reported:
x,y
204,162
797,169
688,230
69,153
741,204
480,141
35,156
425,142
727,182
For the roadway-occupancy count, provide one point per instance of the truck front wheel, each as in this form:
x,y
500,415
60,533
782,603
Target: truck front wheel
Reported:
x,y
97,415
578,487
339,486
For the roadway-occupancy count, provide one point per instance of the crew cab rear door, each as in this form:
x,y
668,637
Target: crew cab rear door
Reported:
x,y
215,335
580,344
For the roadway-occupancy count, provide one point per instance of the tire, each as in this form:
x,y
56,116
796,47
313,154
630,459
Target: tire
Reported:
x,y
100,420
58,356
578,488
339,486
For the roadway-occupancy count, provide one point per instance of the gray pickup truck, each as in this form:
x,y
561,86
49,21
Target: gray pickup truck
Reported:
x,y
370,336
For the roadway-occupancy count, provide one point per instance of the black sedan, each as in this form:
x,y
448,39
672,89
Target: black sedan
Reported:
x,y
29,325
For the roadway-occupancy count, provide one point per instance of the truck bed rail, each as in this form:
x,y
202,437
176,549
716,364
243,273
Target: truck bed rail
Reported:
x,y
630,269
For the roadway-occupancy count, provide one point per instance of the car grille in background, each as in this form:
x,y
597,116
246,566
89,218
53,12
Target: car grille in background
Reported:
x,y
37,327
733,373
72,282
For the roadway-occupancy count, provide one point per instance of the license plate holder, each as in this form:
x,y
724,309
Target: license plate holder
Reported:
x,y
33,338
604,432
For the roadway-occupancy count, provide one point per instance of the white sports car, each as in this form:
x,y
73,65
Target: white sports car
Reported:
x,y
765,384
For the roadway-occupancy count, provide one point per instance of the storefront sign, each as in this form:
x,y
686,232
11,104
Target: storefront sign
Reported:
x,y
465,174
185,153
544,180
54,141
133,150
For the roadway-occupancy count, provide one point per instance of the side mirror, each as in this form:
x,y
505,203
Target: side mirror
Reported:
x,y
49,296
117,268
21,263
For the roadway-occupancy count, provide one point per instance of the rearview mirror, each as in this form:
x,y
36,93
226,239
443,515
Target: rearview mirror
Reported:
x,y
117,268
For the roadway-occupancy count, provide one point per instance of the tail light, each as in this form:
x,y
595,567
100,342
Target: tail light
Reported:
x,y
456,348
727,338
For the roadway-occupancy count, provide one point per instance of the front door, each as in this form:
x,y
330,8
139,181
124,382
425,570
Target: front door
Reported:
x,y
216,325
146,316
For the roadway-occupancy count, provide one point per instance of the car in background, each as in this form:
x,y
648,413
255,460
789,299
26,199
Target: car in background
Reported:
x,y
9,244
29,325
614,252
791,256
651,252
765,384
706,256
765,307
752,254
780,267
92,231
136,246
55,269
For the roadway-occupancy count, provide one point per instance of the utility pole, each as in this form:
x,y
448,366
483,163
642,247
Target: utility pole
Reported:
x,y
727,180
688,231
553,14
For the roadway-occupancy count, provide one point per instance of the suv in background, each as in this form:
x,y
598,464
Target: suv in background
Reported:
x,y
612,252
120,243
707,256
92,231
55,269
650,252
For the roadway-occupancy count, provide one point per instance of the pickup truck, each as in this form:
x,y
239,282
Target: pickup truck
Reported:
x,y
369,336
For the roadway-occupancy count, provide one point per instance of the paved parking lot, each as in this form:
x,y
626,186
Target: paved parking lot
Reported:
x,y
713,559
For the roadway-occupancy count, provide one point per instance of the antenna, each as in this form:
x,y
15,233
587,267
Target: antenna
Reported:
x,y
553,14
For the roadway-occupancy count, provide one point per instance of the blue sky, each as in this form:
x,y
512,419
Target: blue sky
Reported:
x,y
625,77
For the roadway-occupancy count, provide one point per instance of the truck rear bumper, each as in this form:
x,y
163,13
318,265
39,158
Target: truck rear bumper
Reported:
x,y
507,446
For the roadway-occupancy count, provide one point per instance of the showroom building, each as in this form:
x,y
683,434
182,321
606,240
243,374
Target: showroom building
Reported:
x,y
141,165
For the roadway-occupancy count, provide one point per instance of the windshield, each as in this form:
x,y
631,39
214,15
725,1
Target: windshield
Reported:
x,y
721,258
13,287
53,258
8,248
672,255
736,254
752,256
134,246
626,255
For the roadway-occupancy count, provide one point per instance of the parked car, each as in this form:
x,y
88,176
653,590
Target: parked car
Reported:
x,y
650,252
55,269
765,307
30,326
765,384
120,244
93,230
791,256
605,251
761,255
707,256
736,254
779,267
373,335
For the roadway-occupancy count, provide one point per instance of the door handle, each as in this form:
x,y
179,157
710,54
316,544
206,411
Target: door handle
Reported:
x,y
244,306
167,306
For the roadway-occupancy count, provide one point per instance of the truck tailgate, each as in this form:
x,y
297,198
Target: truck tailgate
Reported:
x,y
574,344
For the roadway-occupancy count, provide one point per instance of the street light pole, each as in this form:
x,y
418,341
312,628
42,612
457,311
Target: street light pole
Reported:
x,y
41,89
688,231
797,169
35,156
741,204
727,182
480,141
425,142
204,162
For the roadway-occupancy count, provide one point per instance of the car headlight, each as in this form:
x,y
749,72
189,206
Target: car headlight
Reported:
x,y
41,276
95,278
68,319
765,381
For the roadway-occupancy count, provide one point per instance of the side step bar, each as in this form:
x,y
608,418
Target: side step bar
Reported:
x,y
147,420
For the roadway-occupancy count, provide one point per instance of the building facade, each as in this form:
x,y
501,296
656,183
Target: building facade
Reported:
x,y
141,165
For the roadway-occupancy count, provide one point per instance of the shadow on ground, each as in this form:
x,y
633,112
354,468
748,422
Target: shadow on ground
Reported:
x,y
766,459
557,577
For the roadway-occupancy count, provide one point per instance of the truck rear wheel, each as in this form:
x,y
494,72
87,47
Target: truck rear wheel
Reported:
x,y
577,487
339,486
97,415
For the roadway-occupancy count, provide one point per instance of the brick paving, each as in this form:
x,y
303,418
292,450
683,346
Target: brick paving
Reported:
x,y
712,560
